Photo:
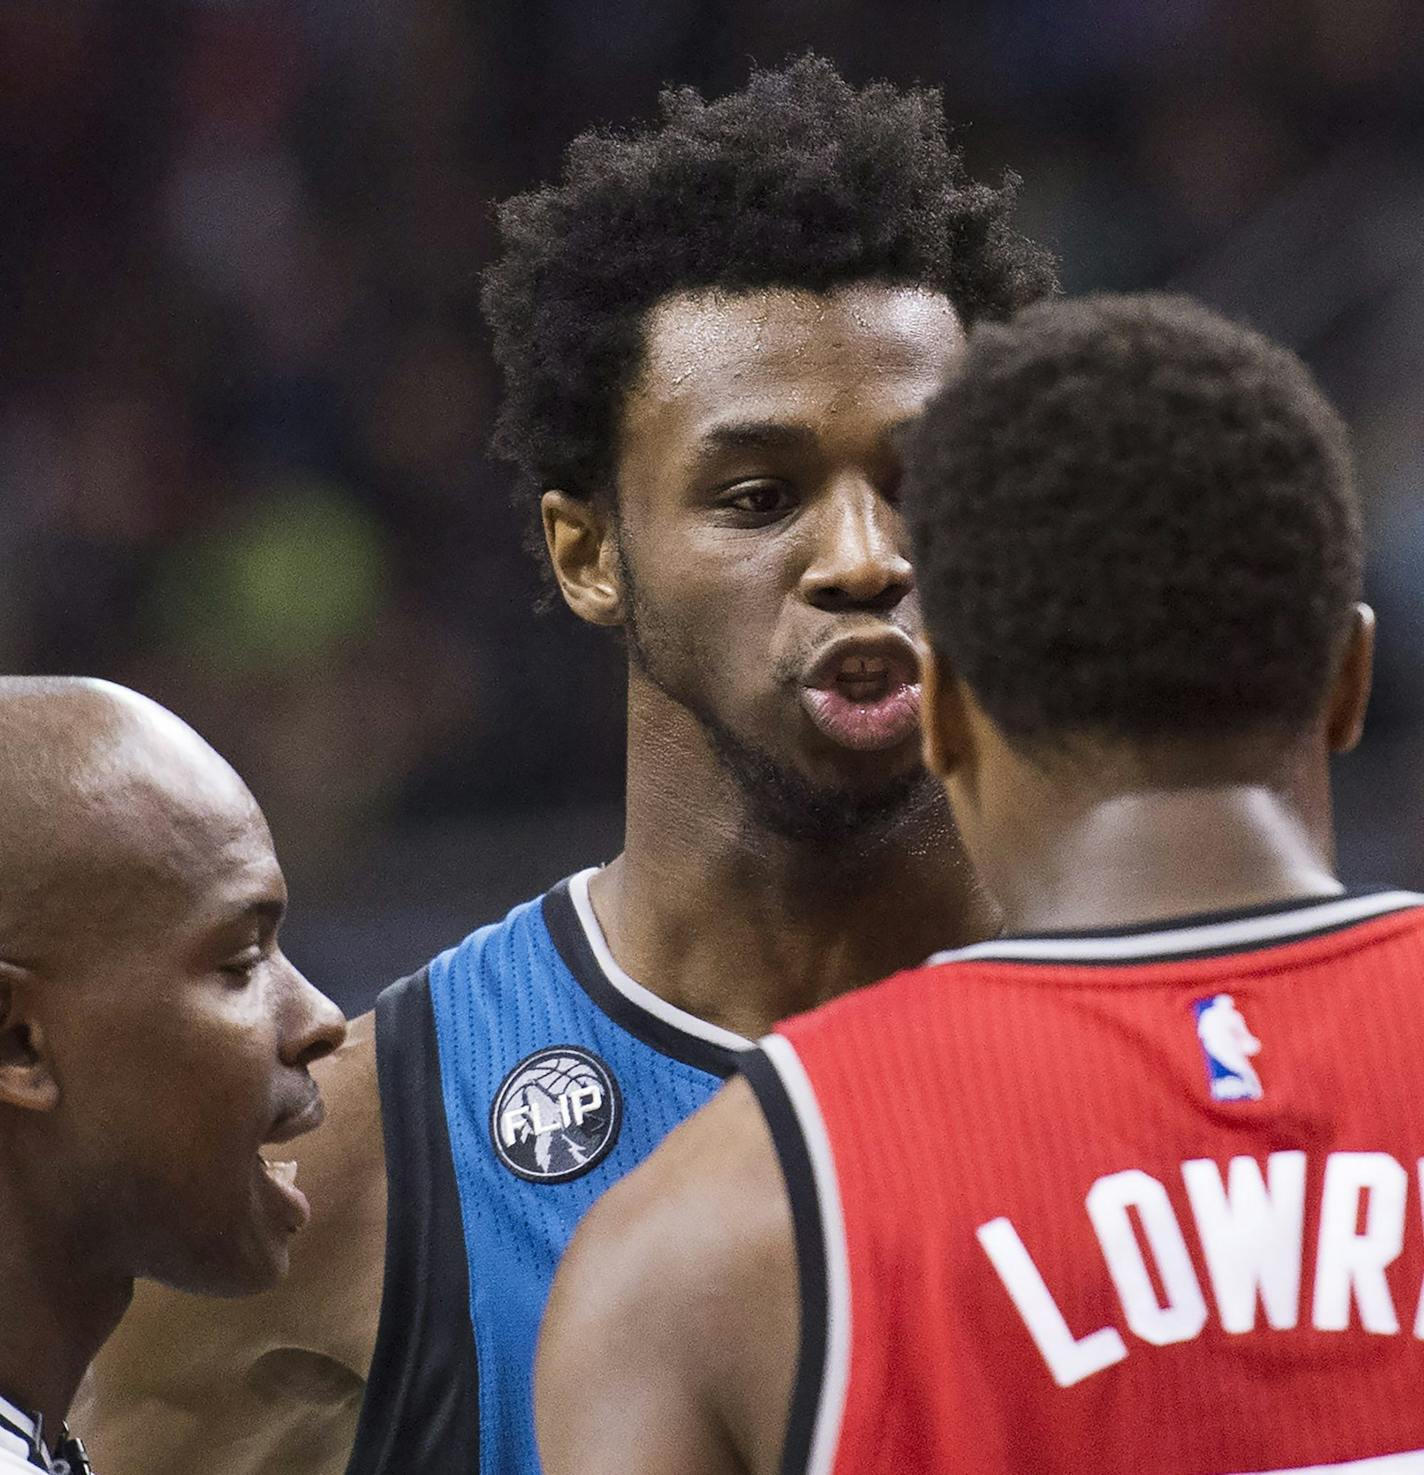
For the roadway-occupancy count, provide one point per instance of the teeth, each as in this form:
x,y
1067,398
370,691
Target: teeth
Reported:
x,y
862,668
283,1172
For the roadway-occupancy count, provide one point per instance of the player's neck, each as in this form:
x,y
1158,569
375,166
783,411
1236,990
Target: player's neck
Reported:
x,y
725,917
54,1316
1154,855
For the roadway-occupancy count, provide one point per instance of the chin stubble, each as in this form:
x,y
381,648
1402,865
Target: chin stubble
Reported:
x,y
779,798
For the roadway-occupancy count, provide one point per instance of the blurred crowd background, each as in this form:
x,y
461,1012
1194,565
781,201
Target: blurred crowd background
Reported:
x,y
245,390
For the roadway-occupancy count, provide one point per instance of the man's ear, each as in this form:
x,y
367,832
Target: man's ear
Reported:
x,y
26,1078
583,548
943,734
1350,695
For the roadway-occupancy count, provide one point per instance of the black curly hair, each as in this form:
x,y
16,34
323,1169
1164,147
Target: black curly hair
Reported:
x,y
799,180
1133,519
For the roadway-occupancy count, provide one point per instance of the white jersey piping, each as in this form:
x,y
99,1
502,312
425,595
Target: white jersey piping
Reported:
x,y
1206,937
630,988
1410,1460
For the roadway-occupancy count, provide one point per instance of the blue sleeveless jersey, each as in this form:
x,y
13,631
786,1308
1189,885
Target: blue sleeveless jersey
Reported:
x,y
557,1075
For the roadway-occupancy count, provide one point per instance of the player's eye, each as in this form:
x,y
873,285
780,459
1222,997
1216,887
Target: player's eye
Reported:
x,y
242,967
758,501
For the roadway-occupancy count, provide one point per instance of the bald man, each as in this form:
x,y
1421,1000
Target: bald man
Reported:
x,y
153,1038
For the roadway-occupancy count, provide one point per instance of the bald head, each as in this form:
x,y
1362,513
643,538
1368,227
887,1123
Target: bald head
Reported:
x,y
111,810
153,1035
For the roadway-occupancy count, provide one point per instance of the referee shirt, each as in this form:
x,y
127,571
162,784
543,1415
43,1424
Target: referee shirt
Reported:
x,y
22,1446
18,1440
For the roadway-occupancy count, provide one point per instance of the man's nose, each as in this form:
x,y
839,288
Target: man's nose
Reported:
x,y
315,1026
858,561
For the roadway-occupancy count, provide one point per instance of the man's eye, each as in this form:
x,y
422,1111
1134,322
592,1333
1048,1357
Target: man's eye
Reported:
x,y
759,499
243,966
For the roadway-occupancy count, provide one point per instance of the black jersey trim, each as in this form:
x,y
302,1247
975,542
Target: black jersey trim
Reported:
x,y
421,1407
1200,936
791,1150
567,931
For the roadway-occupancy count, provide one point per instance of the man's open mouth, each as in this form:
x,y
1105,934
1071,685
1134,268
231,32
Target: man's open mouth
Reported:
x,y
864,692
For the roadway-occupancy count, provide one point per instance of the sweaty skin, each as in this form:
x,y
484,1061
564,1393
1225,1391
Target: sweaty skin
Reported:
x,y
684,1276
767,865
155,1043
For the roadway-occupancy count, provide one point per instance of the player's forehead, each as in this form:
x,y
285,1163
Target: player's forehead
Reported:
x,y
179,845
779,353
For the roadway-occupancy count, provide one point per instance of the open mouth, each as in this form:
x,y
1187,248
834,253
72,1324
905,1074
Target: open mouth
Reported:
x,y
279,1175
289,1204
864,693
279,1178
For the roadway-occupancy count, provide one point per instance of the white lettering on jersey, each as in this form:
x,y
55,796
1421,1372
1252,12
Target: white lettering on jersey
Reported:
x,y
540,1114
1350,1262
1250,1229
1069,1359
586,1097
1251,1235
1184,1315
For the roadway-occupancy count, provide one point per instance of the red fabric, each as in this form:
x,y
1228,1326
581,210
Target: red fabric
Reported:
x,y
958,1094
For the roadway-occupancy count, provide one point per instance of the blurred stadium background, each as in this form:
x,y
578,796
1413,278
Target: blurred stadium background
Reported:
x,y
245,389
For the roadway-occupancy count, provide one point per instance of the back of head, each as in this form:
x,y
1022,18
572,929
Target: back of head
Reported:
x,y
800,180
1134,522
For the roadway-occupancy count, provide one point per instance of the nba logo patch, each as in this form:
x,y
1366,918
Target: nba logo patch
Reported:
x,y
1228,1044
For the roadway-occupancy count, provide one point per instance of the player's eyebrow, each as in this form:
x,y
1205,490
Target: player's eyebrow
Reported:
x,y
266,909
754,435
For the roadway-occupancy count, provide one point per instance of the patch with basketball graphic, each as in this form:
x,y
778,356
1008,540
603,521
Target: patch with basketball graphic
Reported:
x,y
556,1115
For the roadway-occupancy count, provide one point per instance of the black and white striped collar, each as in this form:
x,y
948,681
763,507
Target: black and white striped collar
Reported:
x,y
21,1434
1202,936
19,1431
575,929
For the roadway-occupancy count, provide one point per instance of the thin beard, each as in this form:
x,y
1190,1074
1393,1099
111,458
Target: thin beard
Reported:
x,y
781,799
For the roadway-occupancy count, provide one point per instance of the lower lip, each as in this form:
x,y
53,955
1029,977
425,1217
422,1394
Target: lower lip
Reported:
x,y
867,727
288,1201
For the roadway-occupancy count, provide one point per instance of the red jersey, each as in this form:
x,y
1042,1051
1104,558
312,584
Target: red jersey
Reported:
x,y
1146,1201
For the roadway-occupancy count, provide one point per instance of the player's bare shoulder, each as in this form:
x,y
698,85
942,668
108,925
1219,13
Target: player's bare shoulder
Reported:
x,y
272,1381
693,1250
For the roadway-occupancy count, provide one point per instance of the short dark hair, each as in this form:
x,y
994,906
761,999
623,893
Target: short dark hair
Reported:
x,y
799,180
1135,520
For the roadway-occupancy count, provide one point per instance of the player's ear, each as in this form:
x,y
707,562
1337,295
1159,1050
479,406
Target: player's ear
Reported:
x,y
1350,695
26,1079
581,536
942,717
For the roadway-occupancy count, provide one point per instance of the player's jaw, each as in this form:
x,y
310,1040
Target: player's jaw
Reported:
x,y
838,752
245,1207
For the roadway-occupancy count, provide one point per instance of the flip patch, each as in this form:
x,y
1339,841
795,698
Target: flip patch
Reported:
x,y
556,1115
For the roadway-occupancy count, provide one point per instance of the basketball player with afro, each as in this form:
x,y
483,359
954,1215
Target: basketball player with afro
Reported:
x,y
710,331
1127,1189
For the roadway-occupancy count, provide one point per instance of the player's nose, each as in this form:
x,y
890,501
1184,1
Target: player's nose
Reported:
x,y
858,560
313,1025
